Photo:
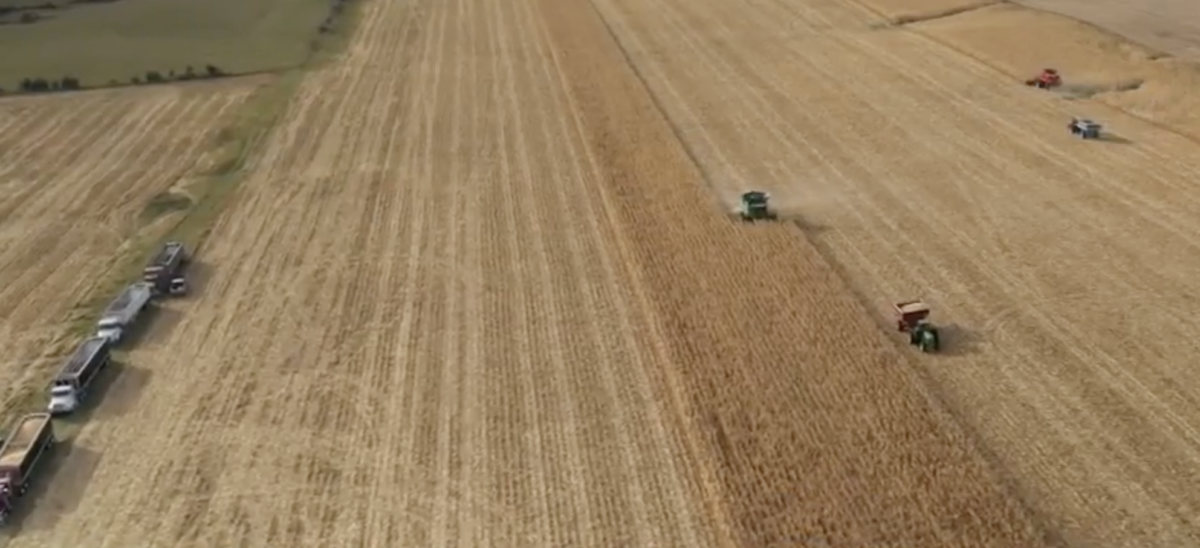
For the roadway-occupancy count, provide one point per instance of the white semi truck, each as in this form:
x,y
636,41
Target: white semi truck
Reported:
x,y
70,386
124,311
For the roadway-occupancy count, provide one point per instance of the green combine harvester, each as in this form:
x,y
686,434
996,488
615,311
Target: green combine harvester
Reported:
x,y
754,206
912,317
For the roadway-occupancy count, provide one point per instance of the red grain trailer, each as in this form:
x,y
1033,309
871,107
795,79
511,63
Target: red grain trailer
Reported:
x,y
20,455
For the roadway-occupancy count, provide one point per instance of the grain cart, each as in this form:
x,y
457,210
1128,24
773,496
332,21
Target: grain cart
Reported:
x,y
164,272
912,317
754,206
70,386
20,455
1084,128
1049,78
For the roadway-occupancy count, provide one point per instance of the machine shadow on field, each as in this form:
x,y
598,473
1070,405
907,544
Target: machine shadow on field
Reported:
x,y
1113,138
957,340
113,393
57,488
155,324
807,227
199,273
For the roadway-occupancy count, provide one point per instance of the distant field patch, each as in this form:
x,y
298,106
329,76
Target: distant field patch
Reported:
x,y
104,41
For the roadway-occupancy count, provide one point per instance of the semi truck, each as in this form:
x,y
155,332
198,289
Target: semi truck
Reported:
x,y
121,314
20,455
70,386
164,272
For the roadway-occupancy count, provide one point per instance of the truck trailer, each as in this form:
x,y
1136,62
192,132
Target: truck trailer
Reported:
x,y
70,386
164,272
20,455
123,311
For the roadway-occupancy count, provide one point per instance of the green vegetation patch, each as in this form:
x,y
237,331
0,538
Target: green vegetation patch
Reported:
x,y
112,41
164,203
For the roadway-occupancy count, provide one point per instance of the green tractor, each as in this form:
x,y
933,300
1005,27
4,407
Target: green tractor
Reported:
x,y
913,317
754,206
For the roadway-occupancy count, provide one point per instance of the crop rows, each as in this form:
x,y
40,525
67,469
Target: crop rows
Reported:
x,y
474,291
821,433
76,173
924,172
417,329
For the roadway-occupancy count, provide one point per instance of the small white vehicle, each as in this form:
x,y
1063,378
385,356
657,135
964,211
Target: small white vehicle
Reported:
x,y
1084,128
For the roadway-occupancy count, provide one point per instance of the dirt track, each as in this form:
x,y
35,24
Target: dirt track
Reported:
x,y
75,172
476,293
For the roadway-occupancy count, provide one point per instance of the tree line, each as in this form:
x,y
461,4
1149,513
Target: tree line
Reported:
x,y
71,83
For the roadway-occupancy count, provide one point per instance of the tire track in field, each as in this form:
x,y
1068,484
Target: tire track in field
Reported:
x,y
557,450
513,298
381,529
444,423
597,442
623,362
686,503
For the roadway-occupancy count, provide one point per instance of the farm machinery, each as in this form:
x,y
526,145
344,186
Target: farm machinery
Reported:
x,y
1084,128
912,317
754,206
1049,78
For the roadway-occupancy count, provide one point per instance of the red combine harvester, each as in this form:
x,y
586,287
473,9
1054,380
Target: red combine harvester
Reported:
x,y
1049,78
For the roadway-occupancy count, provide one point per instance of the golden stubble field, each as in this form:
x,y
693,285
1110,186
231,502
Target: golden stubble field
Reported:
x,y
474,294
75,174
414,327
1061,269
479,289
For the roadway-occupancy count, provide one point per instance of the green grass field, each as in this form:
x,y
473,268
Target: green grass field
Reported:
x,y
117,40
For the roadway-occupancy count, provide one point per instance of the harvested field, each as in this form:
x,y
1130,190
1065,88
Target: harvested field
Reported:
x,y
1172,26
474,293
481,288
1094,64
76,174
412,329
1060,269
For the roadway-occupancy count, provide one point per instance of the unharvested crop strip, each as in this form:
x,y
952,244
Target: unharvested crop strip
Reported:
x,y
828,440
